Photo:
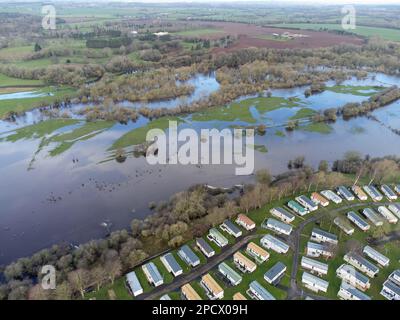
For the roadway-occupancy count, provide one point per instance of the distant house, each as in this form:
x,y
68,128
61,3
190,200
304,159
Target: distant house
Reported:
x,y
358,221
373,193
188,256
296,207
388,192
258,292
171,264
282,214
152,274
245,222
345,193
134,284
314,283
189,293
330,195
204,247
361,195
314,266
321,236
212,288
307,203
371,215
243,263
348,292
376,256
216,236
258,253
318,199
361,264
275,274
270,242
229,227
349,274
317,250
277,226
231,275
389,216
343,225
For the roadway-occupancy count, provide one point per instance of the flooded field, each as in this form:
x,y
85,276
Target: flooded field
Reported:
x,y
59,181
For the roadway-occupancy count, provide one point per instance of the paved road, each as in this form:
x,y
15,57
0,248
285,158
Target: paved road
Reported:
x,y
202,269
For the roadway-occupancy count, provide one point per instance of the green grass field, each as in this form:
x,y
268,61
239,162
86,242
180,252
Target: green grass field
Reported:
x,y
199,32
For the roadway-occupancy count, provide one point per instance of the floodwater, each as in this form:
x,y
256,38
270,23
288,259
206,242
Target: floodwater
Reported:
x,y
50,199
23,95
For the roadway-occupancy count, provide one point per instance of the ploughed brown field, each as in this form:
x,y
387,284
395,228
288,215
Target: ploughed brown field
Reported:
x,y
250,36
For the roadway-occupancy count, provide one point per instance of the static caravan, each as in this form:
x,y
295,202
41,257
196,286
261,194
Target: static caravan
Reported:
x,y
343,225
277,226
371,215
217,237
229,227
388,192
318,199
314,283
395,208
212,288
321,236
231,275
134,285
361,264
204,247
275,274
296,207
165,297
376,256
187,255
258,292
238,296
385,212
395,276
282,214
307,203
243,263
171,264
373,193
314,266
330,195
361,195
349,274
152,274
258,253
348,292
358,221
270,242
397,188
189,293
317,250
245,222
345,193
390,290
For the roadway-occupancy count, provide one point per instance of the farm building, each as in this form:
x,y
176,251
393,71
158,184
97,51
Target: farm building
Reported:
x,y
345,193
204,247
343,225
217,237
318,199
282,214
231,275
258,253
317,250
270,242
296,207
171,264
330,195
388,192
187,255
358,221
212,288
361,264
275,274
314,266
134,285
376,256
277,226
307,203
395,208
385,212
371,215
319,235
245,222
373,193
243,263
165,297
361,195
348,292
152,274
189,293
239,296
349,274
229,227
314,283
258,292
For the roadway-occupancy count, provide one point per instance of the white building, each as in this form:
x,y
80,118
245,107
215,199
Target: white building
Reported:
x,y
270,242
376,256
391,287
345,193
349,274
358,221
373,193
343,225
361,264
317,250
395,208
258,292
321,236
314,266
314,283
278,226
348,292
385,212
275,274
330,195
204,247
388,192
171,264
134,284
216,236
371,215
152,274
307,203
229,227
282,214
